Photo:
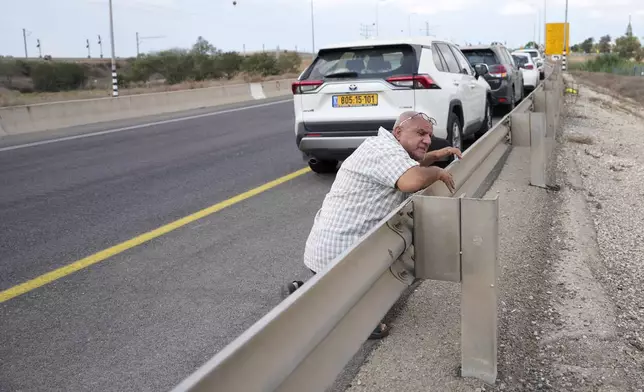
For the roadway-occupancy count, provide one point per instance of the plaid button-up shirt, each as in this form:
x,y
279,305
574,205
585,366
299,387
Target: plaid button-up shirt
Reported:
x,y
363,193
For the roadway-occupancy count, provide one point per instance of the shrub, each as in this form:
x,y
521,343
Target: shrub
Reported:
x,y
289,62
230,64
58,76
260,64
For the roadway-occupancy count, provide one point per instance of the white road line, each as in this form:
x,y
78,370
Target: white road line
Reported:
x,y
108,131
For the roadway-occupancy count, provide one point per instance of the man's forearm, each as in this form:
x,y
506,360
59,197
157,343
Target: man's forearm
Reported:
x,y
429,159
429,176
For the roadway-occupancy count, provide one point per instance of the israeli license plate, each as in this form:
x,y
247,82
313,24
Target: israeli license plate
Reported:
x,y
342,101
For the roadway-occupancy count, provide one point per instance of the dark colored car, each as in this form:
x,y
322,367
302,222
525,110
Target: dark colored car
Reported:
x,y
504,76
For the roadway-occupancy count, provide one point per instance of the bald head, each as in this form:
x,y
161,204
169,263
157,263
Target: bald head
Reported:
x,y
404,116
413,130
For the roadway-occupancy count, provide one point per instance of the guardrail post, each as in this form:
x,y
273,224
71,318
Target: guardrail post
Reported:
x,y
479,245
520,129
437,233
538,149
456,240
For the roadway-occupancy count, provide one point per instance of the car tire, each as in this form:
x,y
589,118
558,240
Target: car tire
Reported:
x,y
455,131
322,166
487,121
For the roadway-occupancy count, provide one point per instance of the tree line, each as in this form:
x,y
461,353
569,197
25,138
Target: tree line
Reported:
x,y
627,46
203,61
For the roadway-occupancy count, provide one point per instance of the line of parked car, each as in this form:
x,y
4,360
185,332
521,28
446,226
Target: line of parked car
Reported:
x,y
351,90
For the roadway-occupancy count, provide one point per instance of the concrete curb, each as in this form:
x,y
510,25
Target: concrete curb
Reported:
x,y
56,115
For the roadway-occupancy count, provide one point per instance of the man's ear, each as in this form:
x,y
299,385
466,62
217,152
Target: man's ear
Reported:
x,y
396,132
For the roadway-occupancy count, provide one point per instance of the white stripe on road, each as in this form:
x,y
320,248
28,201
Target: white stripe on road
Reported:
x,y
108,131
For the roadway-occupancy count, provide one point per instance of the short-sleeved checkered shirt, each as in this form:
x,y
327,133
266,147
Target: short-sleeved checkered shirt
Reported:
x,y
363,193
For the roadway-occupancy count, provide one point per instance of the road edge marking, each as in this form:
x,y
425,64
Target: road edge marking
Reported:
x,y
105,254
128,128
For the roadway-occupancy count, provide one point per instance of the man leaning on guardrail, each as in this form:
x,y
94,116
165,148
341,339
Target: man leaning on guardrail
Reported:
x,y
375,179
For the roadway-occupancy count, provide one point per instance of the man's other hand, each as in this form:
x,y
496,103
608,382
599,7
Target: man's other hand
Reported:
x,y
447,179
447,151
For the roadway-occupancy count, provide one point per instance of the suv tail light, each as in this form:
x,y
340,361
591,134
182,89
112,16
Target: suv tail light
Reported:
x,y
417,82
529,66
498,71
305,86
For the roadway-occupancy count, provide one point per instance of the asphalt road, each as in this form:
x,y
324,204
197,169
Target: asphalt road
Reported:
x,y
145,319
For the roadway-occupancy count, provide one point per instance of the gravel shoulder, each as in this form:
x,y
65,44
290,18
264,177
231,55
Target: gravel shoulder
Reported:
x,y
571,272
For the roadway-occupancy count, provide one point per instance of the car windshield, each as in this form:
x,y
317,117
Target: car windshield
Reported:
x,y
363,63
480,56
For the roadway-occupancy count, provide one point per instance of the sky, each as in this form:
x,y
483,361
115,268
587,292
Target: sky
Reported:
x,y
63,26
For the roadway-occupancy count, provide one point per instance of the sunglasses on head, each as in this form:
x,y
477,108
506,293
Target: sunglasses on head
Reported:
x,y
423,115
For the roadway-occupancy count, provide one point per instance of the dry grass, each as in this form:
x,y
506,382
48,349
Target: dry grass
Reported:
x,y
627,86
581,58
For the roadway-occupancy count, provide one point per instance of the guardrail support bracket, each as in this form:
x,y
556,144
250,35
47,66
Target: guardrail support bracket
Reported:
x,y
479,296
456,240
437,233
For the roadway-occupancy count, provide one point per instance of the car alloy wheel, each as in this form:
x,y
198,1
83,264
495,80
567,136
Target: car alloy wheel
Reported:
x,y
456,136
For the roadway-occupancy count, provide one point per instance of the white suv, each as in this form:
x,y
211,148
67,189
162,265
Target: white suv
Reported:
x,y
351,90
537,59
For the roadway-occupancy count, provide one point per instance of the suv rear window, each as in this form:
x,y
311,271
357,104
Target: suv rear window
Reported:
x,y
478,56
520,60
363,63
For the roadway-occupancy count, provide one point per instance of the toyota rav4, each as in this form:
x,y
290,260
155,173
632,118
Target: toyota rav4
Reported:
x,y
350,91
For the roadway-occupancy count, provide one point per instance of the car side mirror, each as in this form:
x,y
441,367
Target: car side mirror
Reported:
x,y
481,69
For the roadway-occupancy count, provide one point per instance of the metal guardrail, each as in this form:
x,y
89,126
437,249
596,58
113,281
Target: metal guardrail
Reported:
x,y
305,342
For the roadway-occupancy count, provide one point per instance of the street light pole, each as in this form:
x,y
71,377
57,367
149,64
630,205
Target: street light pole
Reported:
x,y
115,86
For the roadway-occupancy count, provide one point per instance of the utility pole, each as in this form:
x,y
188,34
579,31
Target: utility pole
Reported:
x,y
545,22
409,22
365,31
312,29
89,53
115,85
139,39
39,48
564,60
100,44
24,37
539,27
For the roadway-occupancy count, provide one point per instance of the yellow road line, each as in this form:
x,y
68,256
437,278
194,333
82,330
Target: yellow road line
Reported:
x,y
143,238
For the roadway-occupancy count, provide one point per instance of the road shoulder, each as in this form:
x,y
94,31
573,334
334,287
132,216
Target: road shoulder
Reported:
x,y
571,262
